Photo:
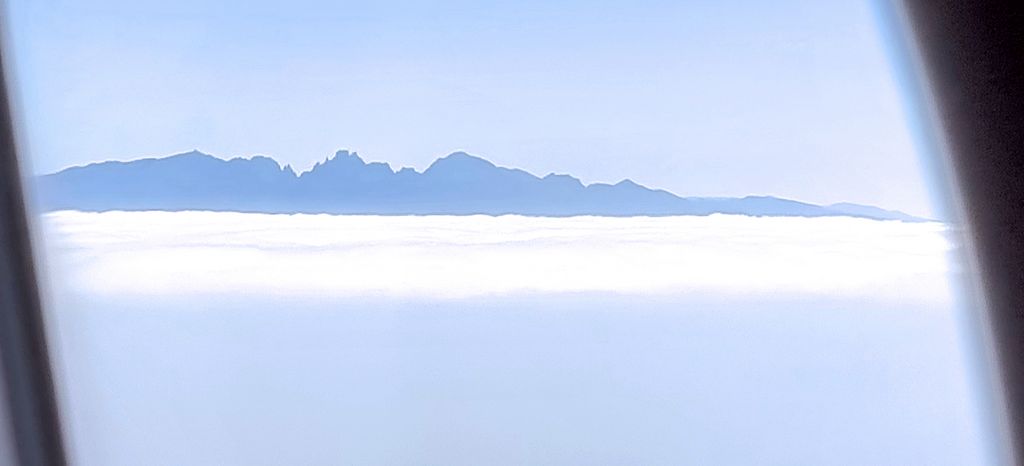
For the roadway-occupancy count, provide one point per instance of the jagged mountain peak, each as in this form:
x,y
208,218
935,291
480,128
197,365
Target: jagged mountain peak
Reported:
x,y
345,161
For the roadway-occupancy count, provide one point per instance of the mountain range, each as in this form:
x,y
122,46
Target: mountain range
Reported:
x,y
457,184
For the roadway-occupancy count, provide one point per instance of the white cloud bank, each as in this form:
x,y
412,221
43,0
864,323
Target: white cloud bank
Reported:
x,y
452,257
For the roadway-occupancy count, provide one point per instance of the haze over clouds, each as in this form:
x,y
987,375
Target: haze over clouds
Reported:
x,y
466,340
464,256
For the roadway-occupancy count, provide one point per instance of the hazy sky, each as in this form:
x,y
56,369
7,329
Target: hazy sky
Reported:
x,y
787,98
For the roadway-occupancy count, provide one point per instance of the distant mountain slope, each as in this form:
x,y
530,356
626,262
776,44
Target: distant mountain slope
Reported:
x,y
457,184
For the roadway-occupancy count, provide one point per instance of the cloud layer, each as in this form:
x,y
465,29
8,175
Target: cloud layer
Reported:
x,y
155,253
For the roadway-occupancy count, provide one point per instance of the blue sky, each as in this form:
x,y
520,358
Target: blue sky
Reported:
x,y
788,98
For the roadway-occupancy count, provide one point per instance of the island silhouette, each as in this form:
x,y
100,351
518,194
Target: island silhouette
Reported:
x,y
457,184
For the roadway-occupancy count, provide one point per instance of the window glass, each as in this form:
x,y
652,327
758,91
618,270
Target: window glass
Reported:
x,y
558,232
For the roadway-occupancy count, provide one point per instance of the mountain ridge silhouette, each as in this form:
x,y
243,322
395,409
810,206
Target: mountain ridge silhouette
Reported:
x,y
456,184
